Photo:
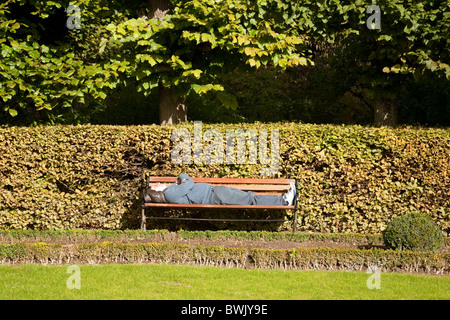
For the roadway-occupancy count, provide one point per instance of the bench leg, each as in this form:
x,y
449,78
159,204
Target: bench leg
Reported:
x,y
295,221
143,220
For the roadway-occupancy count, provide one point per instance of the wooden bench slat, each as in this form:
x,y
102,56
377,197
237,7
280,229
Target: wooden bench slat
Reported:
x,y
215,206
261,187
227,180
248,187
266,192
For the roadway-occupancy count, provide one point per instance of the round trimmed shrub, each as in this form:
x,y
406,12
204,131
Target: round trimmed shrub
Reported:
x,y
414,231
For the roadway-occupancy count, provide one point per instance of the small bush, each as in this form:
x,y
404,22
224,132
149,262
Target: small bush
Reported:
x,y
414,231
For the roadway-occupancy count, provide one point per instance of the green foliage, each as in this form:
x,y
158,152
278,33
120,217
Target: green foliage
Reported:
x,y
186,51
414,231
308,94
323,258
199,40
80,235
425,101
176,253
352,179
46,68
39,75
413,39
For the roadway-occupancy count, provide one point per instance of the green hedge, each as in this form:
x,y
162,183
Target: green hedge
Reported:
x,y
85,236
80,236
352,179
299,259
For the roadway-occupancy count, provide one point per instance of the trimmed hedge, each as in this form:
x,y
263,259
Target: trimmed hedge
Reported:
x,y
110,252
299,259
414,231
351,179
77,236
352,259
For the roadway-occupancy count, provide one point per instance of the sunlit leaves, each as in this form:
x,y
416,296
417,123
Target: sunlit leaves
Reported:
x,y
213,33
46,76
199,40
351,178
413,38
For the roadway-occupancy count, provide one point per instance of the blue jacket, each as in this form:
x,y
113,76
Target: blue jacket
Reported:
x,y
188,192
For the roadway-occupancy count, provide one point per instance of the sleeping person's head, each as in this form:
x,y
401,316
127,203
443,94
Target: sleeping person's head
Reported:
x,y
181,178
151,195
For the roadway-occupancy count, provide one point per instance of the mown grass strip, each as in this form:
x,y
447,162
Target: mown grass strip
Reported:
x,y
189,282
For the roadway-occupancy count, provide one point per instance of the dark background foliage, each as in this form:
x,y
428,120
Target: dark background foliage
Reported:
x,y
334,90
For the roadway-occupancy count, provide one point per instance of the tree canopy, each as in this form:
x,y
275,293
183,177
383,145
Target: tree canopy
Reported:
x,y
46,65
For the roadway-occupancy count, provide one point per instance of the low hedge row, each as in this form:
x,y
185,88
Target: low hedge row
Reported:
x,y
299,259
352,259
111,252
76,236
351,179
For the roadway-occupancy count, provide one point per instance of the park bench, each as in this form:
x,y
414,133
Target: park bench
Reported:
x,y
258,186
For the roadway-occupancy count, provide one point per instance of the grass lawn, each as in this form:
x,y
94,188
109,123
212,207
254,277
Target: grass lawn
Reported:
x,y
189,282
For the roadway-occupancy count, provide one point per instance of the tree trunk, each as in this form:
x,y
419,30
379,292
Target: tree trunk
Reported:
x,y
158,8
171,110
385,112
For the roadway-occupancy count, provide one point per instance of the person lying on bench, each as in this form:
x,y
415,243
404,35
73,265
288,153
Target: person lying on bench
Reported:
x,y
186,191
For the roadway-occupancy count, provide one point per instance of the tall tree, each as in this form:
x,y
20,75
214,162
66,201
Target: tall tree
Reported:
x,y
171,109
183,46
413,37
180,47
200,39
